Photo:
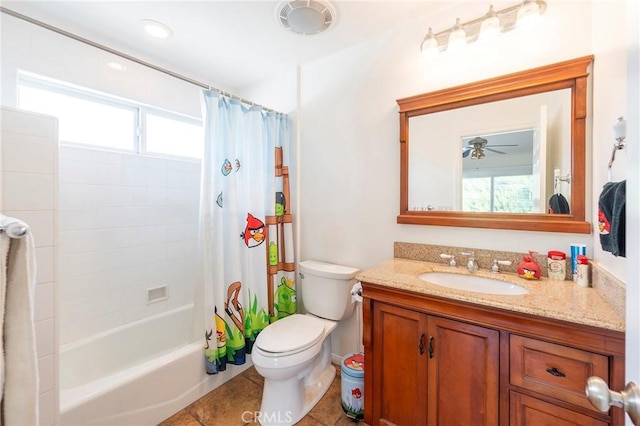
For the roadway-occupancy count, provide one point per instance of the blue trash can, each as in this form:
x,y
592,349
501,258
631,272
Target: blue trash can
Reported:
x,y
352,367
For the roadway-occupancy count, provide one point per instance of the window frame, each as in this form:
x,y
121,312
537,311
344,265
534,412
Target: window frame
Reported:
x,y
140,110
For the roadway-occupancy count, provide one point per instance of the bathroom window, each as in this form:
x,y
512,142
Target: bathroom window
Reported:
x,y
95,119
166,135
83,120
498,194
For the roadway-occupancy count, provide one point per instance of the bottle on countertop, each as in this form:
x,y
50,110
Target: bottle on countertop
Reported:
x,y
557,265
582,277
528,268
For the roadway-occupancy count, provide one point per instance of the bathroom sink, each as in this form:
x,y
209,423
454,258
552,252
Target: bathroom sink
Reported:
x,y
472,283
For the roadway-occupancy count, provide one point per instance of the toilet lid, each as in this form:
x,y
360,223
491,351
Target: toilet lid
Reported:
x,y
294,333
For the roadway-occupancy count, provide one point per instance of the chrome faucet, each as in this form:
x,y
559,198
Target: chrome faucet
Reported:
x,y
452,259
495,269
472,265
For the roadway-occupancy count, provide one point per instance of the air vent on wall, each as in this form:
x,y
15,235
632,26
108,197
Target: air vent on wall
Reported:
x,y
306,16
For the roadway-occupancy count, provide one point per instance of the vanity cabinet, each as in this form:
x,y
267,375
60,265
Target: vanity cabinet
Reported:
x,y
443,362
429,367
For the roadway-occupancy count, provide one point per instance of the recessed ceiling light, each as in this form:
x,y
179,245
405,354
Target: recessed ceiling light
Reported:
x,y
116,66
156,29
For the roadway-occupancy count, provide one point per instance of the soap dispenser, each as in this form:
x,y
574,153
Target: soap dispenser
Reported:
x,y
528,268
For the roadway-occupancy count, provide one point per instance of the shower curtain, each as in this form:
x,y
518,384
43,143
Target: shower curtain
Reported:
x,y
246,227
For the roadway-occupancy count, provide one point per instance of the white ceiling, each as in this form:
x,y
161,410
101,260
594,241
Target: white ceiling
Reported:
x,y
228,44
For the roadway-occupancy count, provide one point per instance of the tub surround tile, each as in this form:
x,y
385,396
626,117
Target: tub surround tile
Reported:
x,y
28,191
560,300
28,182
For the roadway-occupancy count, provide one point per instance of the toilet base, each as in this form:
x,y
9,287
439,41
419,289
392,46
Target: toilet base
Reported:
x,y
314,391
280,406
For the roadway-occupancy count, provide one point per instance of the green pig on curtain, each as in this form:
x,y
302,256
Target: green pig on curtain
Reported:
x,y
246,227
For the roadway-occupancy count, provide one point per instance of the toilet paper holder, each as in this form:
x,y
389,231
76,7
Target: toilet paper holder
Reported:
x,y
356,292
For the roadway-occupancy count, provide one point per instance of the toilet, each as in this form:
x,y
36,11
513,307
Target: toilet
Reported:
x,y
294,354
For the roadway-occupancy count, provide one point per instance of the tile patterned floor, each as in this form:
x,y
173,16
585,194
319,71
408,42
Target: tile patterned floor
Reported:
x,y
243,394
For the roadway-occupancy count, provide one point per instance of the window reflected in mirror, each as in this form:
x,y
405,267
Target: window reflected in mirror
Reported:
x,y
498,173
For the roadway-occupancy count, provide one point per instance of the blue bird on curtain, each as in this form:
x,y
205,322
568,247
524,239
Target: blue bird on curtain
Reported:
x,y
246,227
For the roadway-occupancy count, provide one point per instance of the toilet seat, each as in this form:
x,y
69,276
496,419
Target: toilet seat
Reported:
x,y
290,335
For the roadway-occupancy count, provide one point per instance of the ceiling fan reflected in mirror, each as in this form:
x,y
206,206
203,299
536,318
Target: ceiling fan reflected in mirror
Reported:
x,y
477,146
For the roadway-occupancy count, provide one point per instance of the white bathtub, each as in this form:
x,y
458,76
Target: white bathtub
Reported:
x,y
138,374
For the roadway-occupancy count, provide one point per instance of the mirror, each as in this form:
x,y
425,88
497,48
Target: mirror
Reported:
x,y
494,153
493,157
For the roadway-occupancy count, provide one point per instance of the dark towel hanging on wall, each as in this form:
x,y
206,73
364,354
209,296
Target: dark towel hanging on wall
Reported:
x,y
558,204
612,217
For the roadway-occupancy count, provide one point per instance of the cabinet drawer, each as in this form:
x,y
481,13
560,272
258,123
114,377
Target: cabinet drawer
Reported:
x,y
527,411
555,370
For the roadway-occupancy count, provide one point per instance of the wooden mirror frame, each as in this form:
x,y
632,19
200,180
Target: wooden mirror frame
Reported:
x,y
571,74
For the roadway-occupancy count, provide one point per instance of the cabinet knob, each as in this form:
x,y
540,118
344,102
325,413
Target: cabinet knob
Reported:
x,y
421,344
602,398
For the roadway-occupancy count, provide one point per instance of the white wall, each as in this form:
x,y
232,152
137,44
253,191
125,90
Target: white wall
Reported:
x,y
29,162
632,367
609,40
349,131
128,223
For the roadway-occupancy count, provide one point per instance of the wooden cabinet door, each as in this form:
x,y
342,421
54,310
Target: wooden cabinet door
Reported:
x,y
464,371
527,411
399,366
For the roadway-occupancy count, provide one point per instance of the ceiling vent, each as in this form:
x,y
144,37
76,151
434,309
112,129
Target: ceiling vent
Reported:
x,y
306,17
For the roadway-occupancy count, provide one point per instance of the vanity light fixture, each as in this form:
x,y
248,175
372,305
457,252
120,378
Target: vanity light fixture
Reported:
x,y
156,29
483,28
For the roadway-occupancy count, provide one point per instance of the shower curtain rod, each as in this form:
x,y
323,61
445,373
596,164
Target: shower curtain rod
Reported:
x,y
126,56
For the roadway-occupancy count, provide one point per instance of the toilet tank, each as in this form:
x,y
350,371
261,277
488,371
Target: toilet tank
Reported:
x,y
326,289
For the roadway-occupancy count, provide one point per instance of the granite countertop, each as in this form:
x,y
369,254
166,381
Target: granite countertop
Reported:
x,y
561,300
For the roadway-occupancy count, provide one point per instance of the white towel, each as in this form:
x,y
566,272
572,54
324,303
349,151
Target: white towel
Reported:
x,y
19,369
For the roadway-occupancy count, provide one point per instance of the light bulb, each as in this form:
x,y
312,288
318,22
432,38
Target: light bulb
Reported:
x,y
490,27
528,13
620,129
429,46
457,38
